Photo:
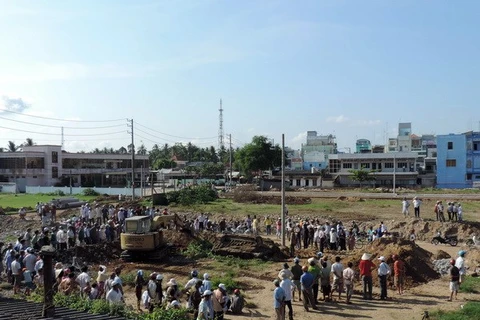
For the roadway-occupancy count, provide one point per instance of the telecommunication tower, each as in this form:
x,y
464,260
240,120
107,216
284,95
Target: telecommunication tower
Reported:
x,y
220,128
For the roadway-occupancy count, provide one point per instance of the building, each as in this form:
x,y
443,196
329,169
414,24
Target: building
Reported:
x,y
315,152
458,160
363,146
49,165
385,167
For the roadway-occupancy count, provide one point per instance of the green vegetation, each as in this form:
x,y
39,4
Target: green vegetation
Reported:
x,y
470,285
90,192
192,195
470,311
198,249
103,307
11,203
228,280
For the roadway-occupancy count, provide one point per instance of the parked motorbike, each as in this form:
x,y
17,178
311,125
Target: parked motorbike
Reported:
x,y
451,240
473,242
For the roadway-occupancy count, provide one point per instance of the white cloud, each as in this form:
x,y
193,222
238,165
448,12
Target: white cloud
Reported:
x,y
13,104
369,122
338,119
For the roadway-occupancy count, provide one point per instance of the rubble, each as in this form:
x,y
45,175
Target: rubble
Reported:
x,y
248,247
442,266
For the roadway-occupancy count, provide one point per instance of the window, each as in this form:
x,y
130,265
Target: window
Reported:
x,y
347,166
366,166
451,162
475,146
54,157
469,163
314,182
469,176
54,172
434,154
401,165
450,145
388,165
355,166
297,182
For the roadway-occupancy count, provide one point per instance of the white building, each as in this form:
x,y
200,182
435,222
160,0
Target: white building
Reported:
x,y
48,165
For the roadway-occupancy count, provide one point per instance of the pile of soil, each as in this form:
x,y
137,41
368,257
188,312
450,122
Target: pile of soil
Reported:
x,y
248,247
426,230
102,253
13,227
440,254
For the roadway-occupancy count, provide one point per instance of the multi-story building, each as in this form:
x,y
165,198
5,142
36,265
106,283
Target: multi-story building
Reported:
x,y
458,160
363,146
48,165
315,152
385,167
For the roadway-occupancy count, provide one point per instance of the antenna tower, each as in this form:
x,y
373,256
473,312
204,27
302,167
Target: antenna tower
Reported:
x,y
221,145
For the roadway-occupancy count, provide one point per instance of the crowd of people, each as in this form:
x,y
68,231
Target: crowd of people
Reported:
x,y
321,275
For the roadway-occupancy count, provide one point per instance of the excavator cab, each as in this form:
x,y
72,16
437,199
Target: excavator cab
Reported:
x,y
139,224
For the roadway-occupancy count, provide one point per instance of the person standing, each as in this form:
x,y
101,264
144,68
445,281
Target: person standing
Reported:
x,y
399,273
268,225
219,297
383,272
83,279
460,213
307,280
333,239
114,295
337,270
366,266
297,273
16,273
454,280
139,283
279,301
460,264
348,277
416,206
288,286
203,307
405,205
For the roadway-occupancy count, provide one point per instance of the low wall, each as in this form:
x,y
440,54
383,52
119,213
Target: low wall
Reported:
x,y
79,190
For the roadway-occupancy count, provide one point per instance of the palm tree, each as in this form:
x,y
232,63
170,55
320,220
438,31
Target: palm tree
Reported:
x,y
29,142
122,150
12,147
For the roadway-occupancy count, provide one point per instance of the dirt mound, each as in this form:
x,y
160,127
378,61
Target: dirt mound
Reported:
x,y
102,253
248,247
178,238
245,195
13,227
440,254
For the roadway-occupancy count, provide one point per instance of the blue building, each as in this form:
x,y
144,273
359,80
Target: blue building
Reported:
x,y
458,160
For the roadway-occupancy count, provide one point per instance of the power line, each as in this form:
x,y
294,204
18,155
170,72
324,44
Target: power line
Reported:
x,y
166,134
79,140
59,134
52,126
56,119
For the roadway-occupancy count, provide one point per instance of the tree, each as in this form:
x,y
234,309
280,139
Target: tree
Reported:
x,y
142,150
260,154
29,142
361,175
122,150
12,147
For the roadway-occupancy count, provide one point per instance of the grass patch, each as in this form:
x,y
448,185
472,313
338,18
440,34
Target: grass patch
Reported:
x,y
470,285
470,311
198,249
16,201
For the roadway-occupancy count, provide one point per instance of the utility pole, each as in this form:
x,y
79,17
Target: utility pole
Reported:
x,y
231,173
394,171
141,183
283,189
133,158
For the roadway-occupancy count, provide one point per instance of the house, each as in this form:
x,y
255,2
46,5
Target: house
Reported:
x,y
458,160
49,165
385,167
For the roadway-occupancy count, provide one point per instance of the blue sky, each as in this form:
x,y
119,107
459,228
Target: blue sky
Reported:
x,y
350,68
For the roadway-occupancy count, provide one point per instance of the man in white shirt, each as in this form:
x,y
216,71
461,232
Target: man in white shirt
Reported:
x,y
460,264
337,270
405,205
30,260
83,279
61,239
333,239
348,277
16,273
383,272
288,286
416,206
114,295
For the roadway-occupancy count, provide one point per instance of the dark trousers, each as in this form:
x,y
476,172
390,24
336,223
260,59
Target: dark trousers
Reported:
x,y
218,315
290,309
315,292
449,216
308,298
322,244
417,212
367,287
383,287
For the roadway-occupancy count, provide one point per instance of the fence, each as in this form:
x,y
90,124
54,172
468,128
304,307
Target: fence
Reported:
x,y
75,190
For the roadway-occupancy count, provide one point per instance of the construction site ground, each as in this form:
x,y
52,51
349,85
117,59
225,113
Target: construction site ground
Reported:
x,y
425,290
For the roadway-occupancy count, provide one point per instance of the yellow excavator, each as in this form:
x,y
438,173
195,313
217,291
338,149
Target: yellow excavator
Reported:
x,y
143,237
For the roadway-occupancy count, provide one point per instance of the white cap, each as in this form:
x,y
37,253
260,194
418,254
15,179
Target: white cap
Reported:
x,y
382,258
222,286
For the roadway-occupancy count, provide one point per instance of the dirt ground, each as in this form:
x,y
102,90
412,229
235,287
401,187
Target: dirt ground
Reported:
x,y
416,299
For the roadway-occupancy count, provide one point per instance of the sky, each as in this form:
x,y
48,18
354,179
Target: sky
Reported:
x,y
354,69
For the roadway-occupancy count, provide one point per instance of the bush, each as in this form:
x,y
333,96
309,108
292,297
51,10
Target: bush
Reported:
x,y
90,192
198,249
192,195
227,280
470,311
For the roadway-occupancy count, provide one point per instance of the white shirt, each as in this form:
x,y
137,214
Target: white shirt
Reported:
x,y
16,267
29,261
191,283
337,270
61,237
348,275
460,264
38,265
287,286
114,296
417,203
82,279
383,269
333,237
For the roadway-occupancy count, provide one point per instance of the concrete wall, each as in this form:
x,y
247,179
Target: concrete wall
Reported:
x,y
79,190
452,177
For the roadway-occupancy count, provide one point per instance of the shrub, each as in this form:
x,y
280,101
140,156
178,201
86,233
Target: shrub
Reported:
x,y
192,195
198,249
90,192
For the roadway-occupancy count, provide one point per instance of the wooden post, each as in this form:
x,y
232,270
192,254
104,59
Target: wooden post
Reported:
x,y
47,254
